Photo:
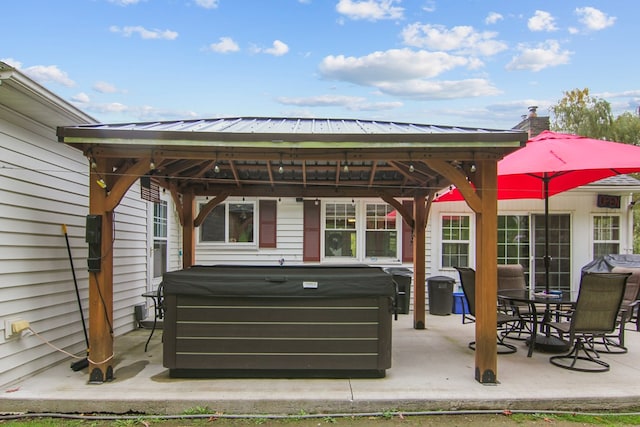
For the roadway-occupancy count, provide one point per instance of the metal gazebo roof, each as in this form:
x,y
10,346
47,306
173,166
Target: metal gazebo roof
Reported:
x,y
293,156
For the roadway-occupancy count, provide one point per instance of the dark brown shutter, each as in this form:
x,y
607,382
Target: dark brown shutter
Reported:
x,y
311,235
407,235
267,223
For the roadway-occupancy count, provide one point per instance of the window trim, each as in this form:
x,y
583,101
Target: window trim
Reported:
x,y
397,229
227,242
470,243
593,229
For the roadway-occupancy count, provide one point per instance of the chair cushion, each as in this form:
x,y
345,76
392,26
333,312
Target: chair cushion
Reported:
x,y
511,276
633,284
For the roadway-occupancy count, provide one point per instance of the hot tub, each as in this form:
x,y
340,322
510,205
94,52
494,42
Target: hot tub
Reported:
x,y
278,321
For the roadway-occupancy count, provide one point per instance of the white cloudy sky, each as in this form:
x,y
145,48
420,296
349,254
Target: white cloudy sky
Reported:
x,y
447,62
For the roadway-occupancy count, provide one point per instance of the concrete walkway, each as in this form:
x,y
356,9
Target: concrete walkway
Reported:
x,y
432,370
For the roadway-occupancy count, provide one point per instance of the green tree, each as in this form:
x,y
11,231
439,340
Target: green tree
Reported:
x,y
582,114
626,128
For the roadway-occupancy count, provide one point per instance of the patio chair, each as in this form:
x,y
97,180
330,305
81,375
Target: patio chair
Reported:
x,y
595,314
614,343
505,321
511,276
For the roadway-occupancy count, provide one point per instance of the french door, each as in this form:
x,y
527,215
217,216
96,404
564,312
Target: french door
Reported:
x,y
559,251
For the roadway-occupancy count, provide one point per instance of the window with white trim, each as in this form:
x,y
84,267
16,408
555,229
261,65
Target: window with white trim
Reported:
x,y
606,235
159,238
232,222
381,234
513,239
340,236
456,235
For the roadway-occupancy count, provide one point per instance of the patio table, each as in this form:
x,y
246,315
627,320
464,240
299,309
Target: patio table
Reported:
x,y
543,340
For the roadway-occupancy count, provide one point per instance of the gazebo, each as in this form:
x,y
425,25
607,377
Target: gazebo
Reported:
x,y
308,158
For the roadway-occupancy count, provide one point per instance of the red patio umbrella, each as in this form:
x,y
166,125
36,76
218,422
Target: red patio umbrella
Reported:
x,y
551,163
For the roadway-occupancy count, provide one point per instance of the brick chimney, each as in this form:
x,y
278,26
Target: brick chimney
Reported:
x,y
532,123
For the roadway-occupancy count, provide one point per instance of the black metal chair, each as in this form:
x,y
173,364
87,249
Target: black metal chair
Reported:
x,y
511,277
594,315
614,343
505,321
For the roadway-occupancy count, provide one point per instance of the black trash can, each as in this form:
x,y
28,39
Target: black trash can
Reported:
x,y
440,290
402,276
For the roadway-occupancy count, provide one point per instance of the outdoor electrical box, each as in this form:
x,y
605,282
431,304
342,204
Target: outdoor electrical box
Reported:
x,y
94,239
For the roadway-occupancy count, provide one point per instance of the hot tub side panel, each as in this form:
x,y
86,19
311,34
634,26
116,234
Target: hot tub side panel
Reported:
x,y
209,336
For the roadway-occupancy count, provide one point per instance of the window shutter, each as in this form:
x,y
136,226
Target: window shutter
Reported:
x,y
311,234
267,223
407,235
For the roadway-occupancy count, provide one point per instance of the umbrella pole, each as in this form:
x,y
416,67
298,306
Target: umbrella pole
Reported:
x,y
547,258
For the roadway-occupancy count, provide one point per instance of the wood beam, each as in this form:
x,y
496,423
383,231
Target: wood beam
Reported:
x,y
402,210
419,270
101,349
459,180
208,207
486,274
189,230
122,179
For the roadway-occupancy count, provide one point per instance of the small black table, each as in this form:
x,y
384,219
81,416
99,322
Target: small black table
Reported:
x,y
544,340
157,313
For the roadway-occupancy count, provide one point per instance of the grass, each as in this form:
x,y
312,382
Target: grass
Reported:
x,y
199,417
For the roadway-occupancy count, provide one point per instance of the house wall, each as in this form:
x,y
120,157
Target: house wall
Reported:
x,y
580,204
289,242
44,184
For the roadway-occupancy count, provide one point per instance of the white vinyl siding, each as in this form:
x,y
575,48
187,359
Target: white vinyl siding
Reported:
x,y
44,184
289,238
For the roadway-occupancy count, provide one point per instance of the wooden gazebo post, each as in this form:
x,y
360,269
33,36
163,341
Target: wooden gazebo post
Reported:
x,y
486,273
188,229
419,269
101,281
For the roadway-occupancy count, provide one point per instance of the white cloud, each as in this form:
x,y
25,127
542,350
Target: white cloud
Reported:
x,y
104,87
124,2
225,45
390,65
353,103
462,39
446,89
594,19
81,98
406,73
542,21
322,101
48,73
539,57
370,10
492,18
207,4
278,49
145,33
12,62
429,6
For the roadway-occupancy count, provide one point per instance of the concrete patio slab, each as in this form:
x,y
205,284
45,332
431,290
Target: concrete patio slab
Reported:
x,y
432,369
